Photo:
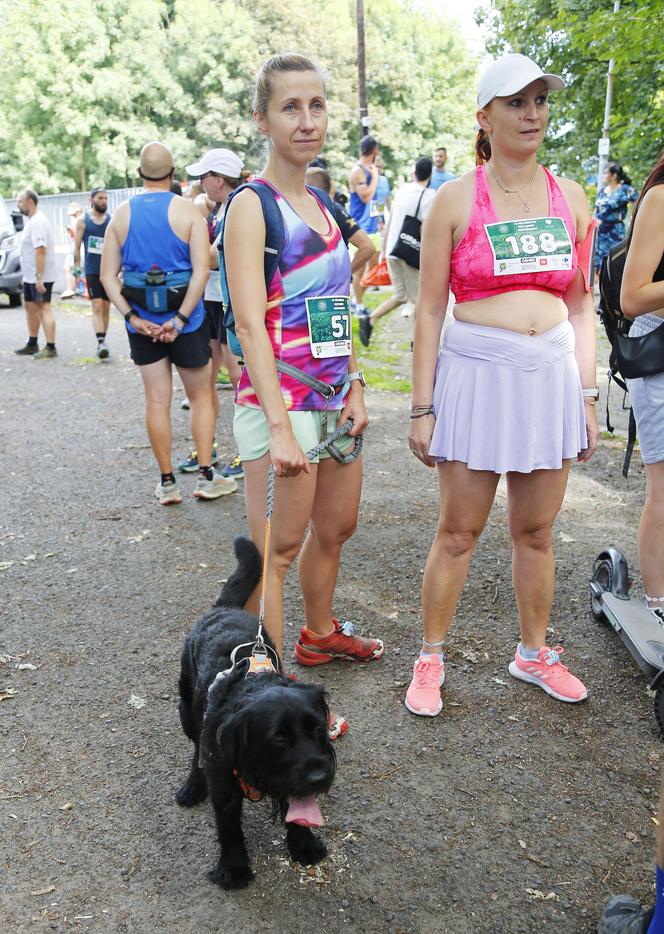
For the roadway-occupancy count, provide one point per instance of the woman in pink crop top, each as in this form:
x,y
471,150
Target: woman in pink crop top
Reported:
x,y
277,418
512,389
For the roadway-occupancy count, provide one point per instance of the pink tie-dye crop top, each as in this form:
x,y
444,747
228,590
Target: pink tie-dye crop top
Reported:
x,y
471,265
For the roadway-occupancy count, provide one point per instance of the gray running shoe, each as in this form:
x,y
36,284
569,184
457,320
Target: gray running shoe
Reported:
x,y
102,351
46,354
624,915
214,488
168,493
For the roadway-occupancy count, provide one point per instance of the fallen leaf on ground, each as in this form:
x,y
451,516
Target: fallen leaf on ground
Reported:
x,y
137,702
68,806
46,891
6,693
522,844
655,821
535,893
4,565
26,666
500,681
631,836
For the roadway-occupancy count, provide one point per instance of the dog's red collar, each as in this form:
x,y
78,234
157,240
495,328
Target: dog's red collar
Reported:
x,y
251,794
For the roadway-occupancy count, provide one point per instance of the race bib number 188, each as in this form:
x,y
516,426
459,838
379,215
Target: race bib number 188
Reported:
x,y
538,244
329,326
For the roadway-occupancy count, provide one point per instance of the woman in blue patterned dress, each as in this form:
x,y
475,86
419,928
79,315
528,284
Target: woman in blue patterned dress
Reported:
x,y
610,209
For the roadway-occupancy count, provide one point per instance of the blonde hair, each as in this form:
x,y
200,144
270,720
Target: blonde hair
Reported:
x,y
286,61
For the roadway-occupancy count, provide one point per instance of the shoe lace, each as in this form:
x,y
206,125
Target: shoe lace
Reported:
x,y
552,656
425,672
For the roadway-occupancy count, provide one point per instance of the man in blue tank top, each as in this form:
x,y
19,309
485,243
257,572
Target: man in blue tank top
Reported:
x,y
90,232
160,242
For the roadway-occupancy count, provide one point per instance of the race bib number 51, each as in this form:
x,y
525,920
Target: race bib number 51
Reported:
x,y
538,244
329,326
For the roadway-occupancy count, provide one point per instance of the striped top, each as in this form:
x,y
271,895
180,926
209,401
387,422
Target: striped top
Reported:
x,y
311,265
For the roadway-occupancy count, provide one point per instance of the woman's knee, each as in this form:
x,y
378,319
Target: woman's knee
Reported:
x,y
331,538
282,556
456,543
538,538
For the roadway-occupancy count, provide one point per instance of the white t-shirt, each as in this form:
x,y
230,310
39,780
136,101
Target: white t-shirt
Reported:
x,y
37,231
213,287
405,202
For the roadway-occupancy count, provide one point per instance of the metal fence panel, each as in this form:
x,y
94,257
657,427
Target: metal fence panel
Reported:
x,y
55,208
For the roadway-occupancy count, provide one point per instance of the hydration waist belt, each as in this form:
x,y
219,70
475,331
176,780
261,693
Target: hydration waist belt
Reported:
x,y
156,291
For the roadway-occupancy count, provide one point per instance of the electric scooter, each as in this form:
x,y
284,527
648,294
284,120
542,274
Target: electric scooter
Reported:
x,y
637,626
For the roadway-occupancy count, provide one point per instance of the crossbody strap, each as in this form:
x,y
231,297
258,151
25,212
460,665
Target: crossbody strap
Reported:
x,y
325,389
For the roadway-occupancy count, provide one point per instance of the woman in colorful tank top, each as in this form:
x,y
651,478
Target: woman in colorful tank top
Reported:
x,y
513,388
277,416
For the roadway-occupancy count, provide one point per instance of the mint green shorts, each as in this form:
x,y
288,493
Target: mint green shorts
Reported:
x,y
252,434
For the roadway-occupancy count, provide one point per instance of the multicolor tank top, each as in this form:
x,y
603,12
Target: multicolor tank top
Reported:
x,y
311,265
472,274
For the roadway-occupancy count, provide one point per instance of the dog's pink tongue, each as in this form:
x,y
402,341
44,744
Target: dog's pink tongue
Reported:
x,y
305,812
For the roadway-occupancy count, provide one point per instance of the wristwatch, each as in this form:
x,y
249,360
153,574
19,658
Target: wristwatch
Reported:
x,y
357,375
591,393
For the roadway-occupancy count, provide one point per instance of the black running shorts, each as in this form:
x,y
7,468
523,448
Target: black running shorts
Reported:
x,y
95,288
215,317
188,350
30,293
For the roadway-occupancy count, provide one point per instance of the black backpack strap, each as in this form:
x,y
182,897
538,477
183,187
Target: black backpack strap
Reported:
x,y
322,196
631,440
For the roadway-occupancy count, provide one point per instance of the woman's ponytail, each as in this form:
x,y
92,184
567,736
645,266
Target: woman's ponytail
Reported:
x,y
482,148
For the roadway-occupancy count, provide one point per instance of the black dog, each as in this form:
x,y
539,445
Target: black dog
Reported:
x,y
263,734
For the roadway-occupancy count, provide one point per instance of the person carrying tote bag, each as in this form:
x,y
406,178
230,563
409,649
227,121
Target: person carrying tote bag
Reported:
x,y
408,242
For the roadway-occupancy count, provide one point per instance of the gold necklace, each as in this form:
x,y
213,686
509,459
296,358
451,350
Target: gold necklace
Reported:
x,y
517,191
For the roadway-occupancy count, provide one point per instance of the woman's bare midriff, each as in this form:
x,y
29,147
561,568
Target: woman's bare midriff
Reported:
x,y
528,312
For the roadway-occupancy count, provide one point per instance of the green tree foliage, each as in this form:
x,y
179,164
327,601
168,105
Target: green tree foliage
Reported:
x,y
576,39
87,82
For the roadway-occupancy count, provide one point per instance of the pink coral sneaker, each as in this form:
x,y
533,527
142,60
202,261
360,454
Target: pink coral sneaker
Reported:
x,y
549,673
423,696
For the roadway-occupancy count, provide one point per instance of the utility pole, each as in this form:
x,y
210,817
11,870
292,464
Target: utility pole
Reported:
x,y
604,145
361,68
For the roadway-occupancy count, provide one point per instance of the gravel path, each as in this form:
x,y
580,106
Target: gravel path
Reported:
x,y
510,812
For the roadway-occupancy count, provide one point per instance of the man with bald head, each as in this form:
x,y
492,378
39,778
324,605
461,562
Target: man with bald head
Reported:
x,y
160,242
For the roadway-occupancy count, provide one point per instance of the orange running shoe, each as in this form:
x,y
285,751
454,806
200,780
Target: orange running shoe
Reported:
x,y
341,643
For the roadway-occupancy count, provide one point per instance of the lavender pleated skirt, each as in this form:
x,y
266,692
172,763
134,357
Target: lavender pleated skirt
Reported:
x,y
507,401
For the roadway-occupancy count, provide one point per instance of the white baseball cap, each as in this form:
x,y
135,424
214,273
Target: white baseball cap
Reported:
x,y
510,74
221,161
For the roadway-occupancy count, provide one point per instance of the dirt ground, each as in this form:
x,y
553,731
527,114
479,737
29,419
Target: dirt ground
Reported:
x,y
509,812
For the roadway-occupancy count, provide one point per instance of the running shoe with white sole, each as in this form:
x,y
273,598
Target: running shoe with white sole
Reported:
x,y
190,464
214,488
549,673
102,351
341,643
233,469
423,695
168,493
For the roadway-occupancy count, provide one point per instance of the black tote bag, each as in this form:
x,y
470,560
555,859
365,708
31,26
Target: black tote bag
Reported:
x,y
409,240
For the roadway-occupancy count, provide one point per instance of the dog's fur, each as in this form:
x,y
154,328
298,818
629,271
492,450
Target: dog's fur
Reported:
x,y
271,730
